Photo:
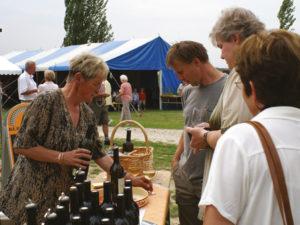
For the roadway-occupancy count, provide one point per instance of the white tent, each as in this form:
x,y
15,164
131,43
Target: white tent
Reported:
x,y
8,68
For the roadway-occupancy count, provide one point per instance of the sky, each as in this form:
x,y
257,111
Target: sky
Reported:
x,y
36,24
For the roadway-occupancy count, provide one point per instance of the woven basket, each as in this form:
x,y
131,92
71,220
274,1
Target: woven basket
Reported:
x,y
141,158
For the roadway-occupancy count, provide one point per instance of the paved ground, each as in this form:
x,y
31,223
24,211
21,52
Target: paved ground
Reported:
x,y
154,135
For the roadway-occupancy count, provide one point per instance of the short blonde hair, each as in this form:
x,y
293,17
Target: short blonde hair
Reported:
x,y
123,77
49,75
235,21
88,65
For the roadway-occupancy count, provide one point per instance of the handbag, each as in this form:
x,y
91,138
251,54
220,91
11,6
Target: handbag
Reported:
x,y
276,172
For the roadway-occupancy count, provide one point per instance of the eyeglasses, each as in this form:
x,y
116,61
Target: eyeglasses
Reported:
x,y
239,85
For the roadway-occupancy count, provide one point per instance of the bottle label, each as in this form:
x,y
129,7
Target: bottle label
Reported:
x,y
121,185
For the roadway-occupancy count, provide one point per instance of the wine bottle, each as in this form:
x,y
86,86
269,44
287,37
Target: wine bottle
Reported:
x,y
51,219
80,187
110,213
128,145
31,213
89,145
64,201
128,183
84,215
107,200
95,214
87,194
131,208
120,218
79,176
106,221
76,220
74,201
117,175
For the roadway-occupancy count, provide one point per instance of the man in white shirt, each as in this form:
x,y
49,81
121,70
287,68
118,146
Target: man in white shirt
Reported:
x,y
27,87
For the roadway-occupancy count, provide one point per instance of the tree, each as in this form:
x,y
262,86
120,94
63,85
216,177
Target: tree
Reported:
x,y
85,21
285,14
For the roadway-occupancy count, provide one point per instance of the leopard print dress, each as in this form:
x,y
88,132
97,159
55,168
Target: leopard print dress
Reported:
x,y
48,123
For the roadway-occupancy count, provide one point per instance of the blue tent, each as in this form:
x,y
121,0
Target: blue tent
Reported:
x,y
148,56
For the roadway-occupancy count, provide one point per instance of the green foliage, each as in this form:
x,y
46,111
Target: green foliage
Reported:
x,y
85,21
285,14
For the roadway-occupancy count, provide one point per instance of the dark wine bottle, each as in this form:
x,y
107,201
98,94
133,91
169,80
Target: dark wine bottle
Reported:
x,y
110,213
117,175
80,187
79,176
95,214
128,145
84,215
89,145
107,200
64,201
128,183
106,221
131,208
62,215
76,220
87,194
51,219
74,201
31,213
120,218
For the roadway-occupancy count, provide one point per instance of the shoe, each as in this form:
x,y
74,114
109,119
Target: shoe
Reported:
x,y
106,141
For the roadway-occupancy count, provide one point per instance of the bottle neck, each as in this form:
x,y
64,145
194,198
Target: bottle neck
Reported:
x,y
120,206
74,202
31,212
128,136
107,192
95,201
87,191
116,155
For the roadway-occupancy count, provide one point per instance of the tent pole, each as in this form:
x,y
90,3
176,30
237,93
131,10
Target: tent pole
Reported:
x,y
2,124
159,74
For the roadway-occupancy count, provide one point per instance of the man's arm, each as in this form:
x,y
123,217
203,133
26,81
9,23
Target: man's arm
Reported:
x,y
213,217
178,151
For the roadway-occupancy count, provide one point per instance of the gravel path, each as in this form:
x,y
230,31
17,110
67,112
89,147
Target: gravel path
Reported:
x,y
154,135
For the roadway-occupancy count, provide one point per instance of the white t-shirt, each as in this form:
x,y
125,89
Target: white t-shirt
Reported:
x,y
26,83
47,86
239,183
108,100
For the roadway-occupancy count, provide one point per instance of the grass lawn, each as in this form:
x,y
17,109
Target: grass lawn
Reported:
x,y
164,119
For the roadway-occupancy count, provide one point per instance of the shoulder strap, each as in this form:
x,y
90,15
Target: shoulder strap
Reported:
x,y
276,172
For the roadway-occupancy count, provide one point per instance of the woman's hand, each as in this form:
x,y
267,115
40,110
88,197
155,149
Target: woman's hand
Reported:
x,y
79,158
143,182
197,140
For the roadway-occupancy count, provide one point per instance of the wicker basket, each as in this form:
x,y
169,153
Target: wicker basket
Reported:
x,y
141,158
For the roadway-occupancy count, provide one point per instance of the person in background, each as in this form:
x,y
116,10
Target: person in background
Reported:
x,y
142,97
49,84
52,141
136,100
105,116
180,88
191,64
125,93
240,189
27,87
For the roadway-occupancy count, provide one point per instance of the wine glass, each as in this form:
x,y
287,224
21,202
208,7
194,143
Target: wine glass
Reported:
x,y
149,174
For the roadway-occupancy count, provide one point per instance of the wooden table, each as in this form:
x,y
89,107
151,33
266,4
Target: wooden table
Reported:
x,y
157,209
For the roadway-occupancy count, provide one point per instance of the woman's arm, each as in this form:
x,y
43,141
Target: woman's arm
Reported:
x,y
213,217
70,158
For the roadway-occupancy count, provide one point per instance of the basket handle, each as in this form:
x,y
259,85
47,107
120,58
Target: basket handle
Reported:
x,y
129,122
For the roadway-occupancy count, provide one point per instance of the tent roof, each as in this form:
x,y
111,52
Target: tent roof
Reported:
x,y
8,68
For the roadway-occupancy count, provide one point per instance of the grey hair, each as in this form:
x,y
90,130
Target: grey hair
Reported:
x,y
28,64
88,65
235,21
49,75
123,77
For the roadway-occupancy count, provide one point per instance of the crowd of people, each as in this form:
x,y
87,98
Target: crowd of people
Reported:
x,y
219,167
